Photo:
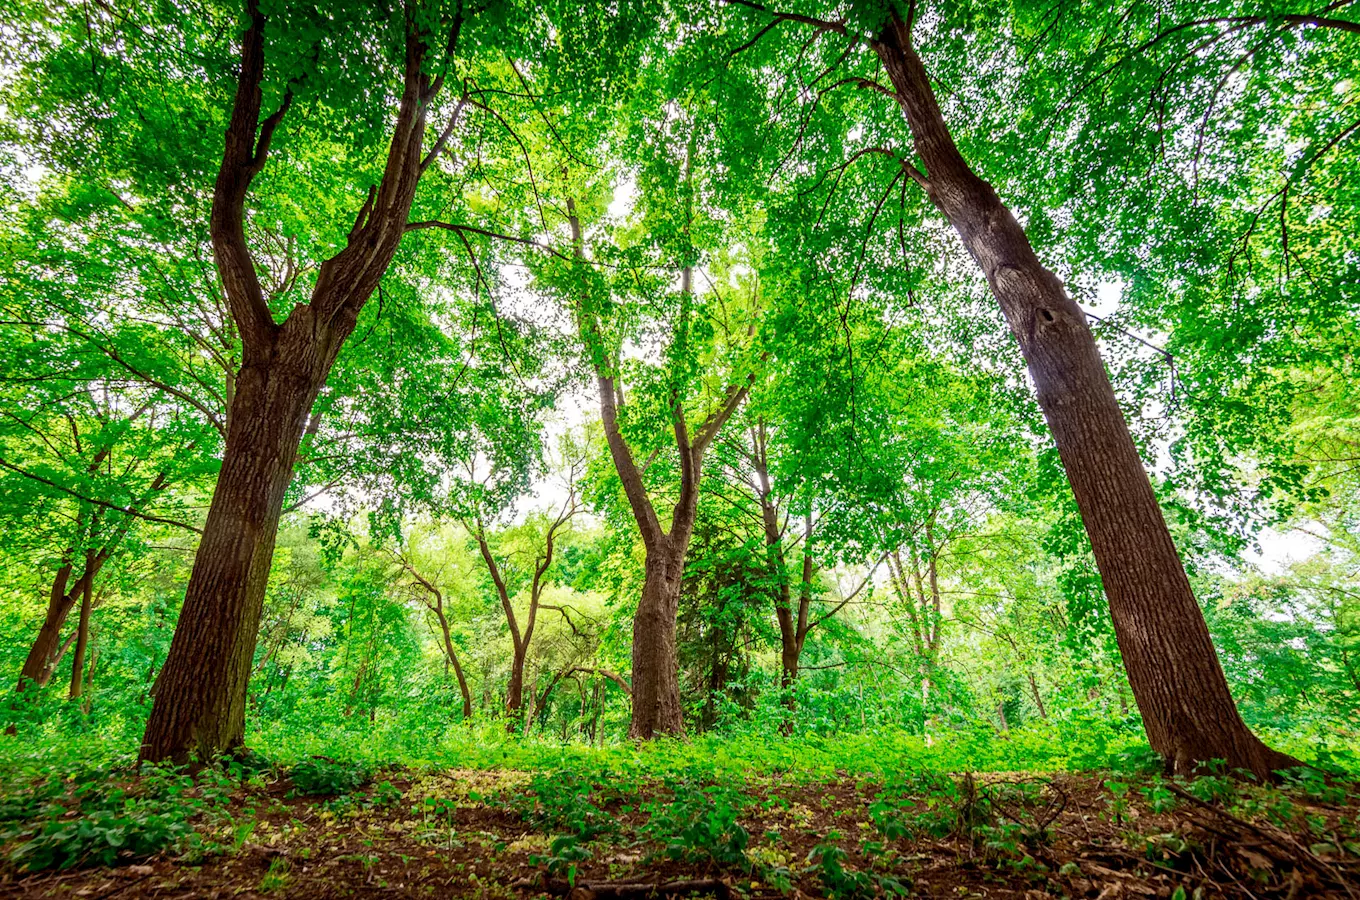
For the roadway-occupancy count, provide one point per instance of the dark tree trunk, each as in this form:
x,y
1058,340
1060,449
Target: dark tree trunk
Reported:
x,y
656,673
82,630
793,626
449,652
200,697
514,691
42,656
47,647
1188,712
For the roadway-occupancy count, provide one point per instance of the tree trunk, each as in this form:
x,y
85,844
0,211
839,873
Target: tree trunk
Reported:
x,y
82,631
89,681
200,697
1038,700
519,641
43,654
656,676
514,691
1188,712
453,659
656,673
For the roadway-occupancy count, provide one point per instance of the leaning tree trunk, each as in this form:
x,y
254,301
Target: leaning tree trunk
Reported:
x,y
656,671
42,656
462,688
82,631
1188,712
200,697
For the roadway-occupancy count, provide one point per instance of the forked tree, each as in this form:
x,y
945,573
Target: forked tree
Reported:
x,y
200,697
522,632
656,671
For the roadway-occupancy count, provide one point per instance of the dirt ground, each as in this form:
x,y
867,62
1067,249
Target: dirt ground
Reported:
x,y
495,835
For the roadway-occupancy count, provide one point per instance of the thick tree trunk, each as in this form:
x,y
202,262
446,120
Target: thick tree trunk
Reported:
x,y
656,673
1188,712
199,706
200,696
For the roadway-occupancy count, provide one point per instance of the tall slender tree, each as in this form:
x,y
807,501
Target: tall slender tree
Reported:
x,y
1189,713
655,681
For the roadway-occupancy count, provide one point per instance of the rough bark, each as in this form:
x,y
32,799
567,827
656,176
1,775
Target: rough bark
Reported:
x,y
1188,712
199,705
656,672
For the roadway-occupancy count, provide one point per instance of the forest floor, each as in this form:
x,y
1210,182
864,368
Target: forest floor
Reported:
x,y
518,835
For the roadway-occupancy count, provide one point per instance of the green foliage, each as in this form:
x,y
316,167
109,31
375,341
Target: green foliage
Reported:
x,y
104,816
319,777
1184,167
562,802
699,825
845,883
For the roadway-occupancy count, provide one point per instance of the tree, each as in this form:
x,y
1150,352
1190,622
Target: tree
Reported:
x,y
543,533
1189,713
200,696
433,600
655,683
115,404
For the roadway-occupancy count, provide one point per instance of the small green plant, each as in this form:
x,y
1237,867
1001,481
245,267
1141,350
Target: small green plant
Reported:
x,y
700,825
1118,801
439,815
381,797
276,879
1159,797
844,883
1316,784
321,777
1212,787
564,854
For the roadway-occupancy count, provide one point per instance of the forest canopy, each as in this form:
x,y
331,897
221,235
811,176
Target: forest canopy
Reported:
x,y
408,383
